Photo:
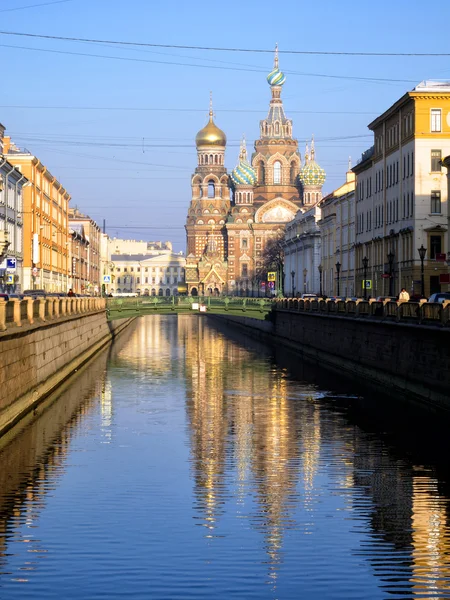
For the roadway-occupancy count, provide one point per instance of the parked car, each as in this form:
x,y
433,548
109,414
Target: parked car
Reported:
x,y
4,297
439,297
387,298
309,296
35,293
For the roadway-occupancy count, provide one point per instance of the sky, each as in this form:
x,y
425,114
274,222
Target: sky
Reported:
x,y
116,124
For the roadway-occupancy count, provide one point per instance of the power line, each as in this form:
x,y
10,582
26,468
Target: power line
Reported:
x,y
34,5
245,69
219,49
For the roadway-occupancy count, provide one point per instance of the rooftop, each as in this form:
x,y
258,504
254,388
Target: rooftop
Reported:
x,y
433,86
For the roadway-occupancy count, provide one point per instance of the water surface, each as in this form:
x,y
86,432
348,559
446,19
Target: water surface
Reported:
x,y
189,463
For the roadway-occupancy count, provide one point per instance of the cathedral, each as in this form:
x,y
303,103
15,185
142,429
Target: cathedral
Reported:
x,y
232,217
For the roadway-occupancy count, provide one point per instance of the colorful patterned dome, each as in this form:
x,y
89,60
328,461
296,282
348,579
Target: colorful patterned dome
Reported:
x,y
276,77
311,173
243,173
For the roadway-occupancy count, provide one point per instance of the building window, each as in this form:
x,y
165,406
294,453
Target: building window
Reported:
x,y
277,172
436,156
436,202
436,119
435,245
244,270
245,243
292,173
211,189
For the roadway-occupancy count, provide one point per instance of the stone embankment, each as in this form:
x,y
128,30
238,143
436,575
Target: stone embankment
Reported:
x,y
401,349
42,343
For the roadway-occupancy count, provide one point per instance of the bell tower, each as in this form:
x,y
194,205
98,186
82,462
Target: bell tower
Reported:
x,y
209,206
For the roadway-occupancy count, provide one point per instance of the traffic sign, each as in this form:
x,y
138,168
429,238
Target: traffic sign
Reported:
x,y
106,278
367,284
10,278
11,264
271,276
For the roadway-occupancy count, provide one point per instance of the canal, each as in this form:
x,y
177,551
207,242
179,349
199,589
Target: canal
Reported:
x,y
187,462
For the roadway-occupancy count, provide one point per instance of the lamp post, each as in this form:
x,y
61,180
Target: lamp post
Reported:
x,y
293,285
365,262
305,272
422,251
338,271
391,256
320,279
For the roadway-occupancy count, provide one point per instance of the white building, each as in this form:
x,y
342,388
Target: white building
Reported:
x,y
11,226
302,253
157,274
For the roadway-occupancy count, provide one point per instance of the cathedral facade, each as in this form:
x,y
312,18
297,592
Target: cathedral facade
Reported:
x,y
232,217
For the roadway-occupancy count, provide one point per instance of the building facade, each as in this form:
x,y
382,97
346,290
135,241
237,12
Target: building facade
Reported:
x,y
45,223
11,225
92,234
79,252
401,194
156,274
227,233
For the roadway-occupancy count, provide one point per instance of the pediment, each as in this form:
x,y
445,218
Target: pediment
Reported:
x,y
278,210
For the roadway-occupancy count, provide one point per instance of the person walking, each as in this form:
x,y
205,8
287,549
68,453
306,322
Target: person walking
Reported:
x,y
403,296
70,292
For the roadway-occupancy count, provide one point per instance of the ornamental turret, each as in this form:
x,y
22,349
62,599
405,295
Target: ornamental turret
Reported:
x,y
312,177
243,178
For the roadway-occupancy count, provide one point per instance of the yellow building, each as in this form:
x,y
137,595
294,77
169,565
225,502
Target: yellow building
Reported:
x,y
45,223
401,200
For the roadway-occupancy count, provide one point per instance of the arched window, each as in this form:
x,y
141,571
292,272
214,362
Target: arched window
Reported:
x,y
167,292
153,292
292,172
211,159
161,292
277,128
262,172
216,159
211,189
277,172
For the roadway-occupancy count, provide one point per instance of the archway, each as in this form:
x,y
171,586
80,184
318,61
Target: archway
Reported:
x,y
194,292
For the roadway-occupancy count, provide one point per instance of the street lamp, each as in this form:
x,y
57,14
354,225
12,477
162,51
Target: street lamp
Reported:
x,y
320,278
391,256
422,251
365,262
338,271
293,286
305,272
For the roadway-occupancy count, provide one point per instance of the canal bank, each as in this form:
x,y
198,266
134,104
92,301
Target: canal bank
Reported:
x,y
405,360
42,347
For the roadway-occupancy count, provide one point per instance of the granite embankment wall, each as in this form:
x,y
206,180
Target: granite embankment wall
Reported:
x,y
42,343
403,359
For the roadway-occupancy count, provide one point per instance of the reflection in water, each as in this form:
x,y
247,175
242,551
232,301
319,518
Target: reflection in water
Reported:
x,y
205,468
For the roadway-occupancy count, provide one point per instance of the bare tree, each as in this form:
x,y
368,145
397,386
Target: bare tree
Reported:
x,y
272,259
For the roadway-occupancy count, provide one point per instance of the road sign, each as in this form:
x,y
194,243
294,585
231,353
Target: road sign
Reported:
x,y
35,271
367,284
106,278
385,276
271,276
11,264
10,278
271,285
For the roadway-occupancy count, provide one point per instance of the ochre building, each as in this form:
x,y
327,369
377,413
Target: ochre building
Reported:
x,y
232,217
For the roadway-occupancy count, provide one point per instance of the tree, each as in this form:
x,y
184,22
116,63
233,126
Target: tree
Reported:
x,y
272,259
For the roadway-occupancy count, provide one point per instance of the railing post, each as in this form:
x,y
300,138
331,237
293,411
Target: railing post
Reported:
x,y
64,306
42,308
30,316
16,312
2,314
50,307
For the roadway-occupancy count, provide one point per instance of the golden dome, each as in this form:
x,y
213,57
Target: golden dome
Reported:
x,y
210,135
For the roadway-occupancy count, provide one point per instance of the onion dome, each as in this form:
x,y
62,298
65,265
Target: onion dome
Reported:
x,y
311,173
210,135
243,173
276,77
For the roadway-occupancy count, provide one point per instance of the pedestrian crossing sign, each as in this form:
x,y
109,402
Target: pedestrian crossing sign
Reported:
x,y
367,284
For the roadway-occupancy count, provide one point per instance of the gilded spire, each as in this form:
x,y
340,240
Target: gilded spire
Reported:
x,y
306,153
211,135
313,150
275,60
243,150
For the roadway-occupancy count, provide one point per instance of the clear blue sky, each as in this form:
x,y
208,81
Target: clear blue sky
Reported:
x,y
133,167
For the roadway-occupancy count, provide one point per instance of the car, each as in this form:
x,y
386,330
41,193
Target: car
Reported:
x,y
439,297
34,293
309,296
4,297
386,299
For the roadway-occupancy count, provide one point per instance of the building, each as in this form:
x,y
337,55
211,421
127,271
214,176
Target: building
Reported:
x,y
79,251
11,225
302,253
45,222
120,246
227,234
337,228
155,274
92,234
401,194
